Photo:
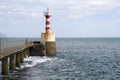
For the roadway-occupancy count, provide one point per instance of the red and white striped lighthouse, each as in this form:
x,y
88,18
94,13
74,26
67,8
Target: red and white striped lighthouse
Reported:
x,y
47,16
48,37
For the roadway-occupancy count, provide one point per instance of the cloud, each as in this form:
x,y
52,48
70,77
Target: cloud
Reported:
x,y
81,8
74,9
78,9
16,9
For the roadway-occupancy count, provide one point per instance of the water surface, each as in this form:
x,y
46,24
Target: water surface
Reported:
x,y
77,59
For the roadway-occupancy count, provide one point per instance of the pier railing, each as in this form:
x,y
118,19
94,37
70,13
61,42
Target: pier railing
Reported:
x,y
14,49
8,43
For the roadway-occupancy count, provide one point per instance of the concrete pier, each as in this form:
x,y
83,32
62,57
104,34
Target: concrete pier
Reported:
x,y
27,51
18,59
38,49
21,57
12,62
5,66
15,55
24,54
50,48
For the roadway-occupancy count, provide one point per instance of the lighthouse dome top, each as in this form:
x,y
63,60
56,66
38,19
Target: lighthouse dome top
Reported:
x,y
47,12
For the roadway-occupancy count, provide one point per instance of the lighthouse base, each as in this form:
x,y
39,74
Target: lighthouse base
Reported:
x,y
48,39
50,48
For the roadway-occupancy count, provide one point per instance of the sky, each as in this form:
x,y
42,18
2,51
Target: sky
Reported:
x,y
69,18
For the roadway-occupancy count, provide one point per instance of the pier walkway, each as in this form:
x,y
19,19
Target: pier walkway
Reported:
x,y
12,50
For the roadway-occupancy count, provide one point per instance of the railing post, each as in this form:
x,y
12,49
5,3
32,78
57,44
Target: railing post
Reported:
x,y
5,66
12,62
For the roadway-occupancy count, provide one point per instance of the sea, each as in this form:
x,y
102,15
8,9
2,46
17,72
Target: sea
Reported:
x,y
76,59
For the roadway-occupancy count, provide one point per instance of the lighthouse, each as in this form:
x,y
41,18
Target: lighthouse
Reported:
x,y
48,37
47,22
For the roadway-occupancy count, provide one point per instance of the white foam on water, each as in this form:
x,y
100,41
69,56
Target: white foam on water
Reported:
x,y
33,60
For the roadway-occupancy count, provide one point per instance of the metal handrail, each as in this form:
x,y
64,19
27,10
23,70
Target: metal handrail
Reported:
x,y
8,43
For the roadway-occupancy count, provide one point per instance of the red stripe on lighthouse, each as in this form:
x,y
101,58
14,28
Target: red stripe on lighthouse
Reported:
x,y
47,22
47,28
47,16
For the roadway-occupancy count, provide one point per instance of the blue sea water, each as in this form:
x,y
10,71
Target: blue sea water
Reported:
x,y
76,59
